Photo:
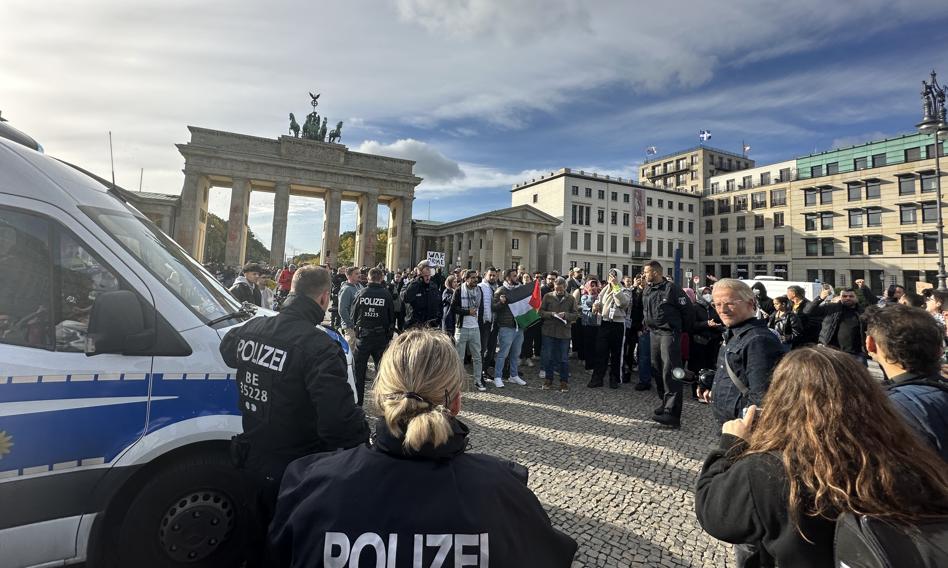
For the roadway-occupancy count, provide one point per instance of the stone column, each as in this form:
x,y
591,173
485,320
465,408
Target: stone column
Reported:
x,y
419,250
367,230
484,241
235,251
451,252
501,244
332,209
550,262
281,208
467,253
190,226
393,259
404,242
532,256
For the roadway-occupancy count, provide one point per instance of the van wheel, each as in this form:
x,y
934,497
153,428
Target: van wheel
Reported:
x,y
194,513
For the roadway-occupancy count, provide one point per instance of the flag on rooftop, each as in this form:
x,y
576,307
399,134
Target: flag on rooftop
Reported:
x,y
651,151
747,148
704,135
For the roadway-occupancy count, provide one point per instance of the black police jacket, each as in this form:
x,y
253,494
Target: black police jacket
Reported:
x,y
292,380
666,308
422,303
440,502
373,311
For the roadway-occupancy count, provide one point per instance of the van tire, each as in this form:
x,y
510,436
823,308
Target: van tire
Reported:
x,y
194,512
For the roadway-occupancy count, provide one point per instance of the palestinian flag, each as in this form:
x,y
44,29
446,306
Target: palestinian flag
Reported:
x,y
524,301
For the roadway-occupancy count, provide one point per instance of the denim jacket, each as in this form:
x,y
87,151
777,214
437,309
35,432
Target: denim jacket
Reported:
x,y
585,308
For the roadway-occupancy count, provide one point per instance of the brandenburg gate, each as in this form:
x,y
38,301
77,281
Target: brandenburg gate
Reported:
x,y
294,166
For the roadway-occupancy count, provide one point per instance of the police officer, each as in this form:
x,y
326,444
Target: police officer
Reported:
x,y
294,392
667,313
373,315
416,497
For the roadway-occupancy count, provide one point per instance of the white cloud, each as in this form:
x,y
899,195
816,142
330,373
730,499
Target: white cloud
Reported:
x,y
430,163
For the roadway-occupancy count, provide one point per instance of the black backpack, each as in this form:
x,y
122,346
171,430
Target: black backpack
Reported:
x,y
867,542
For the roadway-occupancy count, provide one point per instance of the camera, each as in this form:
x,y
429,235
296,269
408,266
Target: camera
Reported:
x,y
704,376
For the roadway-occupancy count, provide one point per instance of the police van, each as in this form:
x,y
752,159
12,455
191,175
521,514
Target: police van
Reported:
x,y
116,409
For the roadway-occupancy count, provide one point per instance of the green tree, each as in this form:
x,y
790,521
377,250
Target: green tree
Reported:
x,y
215,243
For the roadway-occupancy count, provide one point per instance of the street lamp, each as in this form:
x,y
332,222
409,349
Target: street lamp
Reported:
x,y
933,122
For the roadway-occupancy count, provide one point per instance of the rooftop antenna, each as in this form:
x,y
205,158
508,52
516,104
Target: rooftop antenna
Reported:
x,y
429,209
140,177
112,159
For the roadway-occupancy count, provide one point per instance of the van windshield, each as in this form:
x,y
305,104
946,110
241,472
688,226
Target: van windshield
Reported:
x,y
168,262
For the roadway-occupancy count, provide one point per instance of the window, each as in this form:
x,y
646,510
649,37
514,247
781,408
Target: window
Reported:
x,y
875,244
907,215
625,245
707,207
724,247
929,212
625,198
574,240
715,186
741,223
681,206
574,210
741,245
587,241
723,225
854,191
778,197
648,247
576,190
625,219
758,245
694,159
826,246
729,185
589,192
826,195
812,275
709,247
691,251
860,164
661,223
613,243
740,203
614,217
778,244
691,208
600,215
878,160
661,247
816,171
648,222
873,216
758,221
601,194
907,185
826,220
930,150
758,200
928,182
671,204
648,201
515,244
855,246
832,168
855,218
873,189
785,174
912,154
681,226
747,181
809,196
724,205
661,203
691,227
910,243
812,247
930,243
778,220
614,195
809,222
765,178
600,242
708,226
829,276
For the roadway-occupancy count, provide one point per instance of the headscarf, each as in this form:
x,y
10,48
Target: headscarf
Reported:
x,y
691,294
587,290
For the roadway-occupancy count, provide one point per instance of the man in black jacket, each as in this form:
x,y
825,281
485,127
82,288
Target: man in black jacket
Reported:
x,y
666,312
295,392
800,305
373,315
422,299
841,323
245,286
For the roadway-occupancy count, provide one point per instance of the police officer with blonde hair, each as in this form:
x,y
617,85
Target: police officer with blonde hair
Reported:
x,y
416,494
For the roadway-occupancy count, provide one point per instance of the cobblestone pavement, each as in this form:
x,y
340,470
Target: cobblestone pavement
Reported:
x,y
619,484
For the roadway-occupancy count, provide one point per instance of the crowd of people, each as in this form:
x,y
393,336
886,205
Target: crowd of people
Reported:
x,y
802,420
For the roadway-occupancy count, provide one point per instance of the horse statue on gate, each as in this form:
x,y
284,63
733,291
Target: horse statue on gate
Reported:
x,y
322,131
336,133
294,126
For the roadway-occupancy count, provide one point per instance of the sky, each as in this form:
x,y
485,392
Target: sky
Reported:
x,y
481,94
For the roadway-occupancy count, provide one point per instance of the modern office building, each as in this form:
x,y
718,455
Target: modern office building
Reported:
x,y
690,169
598,221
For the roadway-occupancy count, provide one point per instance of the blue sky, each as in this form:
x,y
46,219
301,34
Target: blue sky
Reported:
x,y
480,93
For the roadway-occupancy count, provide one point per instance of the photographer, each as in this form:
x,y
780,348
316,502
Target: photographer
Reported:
x,y
746,358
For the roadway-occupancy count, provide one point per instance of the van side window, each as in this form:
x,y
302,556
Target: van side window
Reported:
x,y
81,277
25,294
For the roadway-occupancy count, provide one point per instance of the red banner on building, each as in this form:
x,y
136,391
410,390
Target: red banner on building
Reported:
x,y
638,213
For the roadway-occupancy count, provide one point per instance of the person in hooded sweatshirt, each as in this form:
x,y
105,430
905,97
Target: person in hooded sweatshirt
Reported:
x,y
764,302
416,497
612,303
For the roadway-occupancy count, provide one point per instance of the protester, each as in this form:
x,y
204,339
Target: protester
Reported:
x,y
747,356
347,293
558,311
267,297
418,464
302,405
467,303
338,279
863,294
827,442
705,337
666,314
611,305
373,317
892,295
574,283
935,304
907,344
811,326
488,330
912,299
764,303
245,288
841,323
509,334
590,319
786,324
448,319
284,280
422,299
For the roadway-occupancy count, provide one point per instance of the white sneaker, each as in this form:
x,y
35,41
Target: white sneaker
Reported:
x,y
542,374
499,382
479,385
517,381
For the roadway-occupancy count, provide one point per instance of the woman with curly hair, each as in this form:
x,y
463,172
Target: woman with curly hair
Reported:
x,y
826,442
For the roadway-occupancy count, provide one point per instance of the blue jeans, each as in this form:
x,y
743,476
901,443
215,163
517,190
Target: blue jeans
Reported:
x,y
555,354
510,340
645,359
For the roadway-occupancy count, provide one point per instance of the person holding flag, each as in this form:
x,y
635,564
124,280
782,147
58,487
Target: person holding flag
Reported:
x,y
515,307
